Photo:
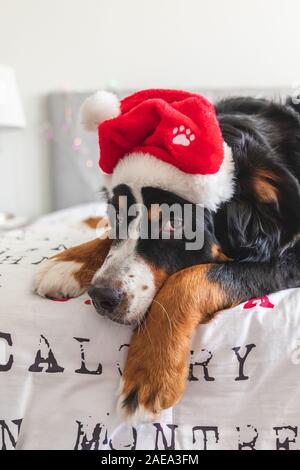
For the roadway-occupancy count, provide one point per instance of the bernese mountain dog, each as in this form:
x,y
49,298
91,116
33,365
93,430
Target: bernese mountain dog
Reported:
x,y
251,248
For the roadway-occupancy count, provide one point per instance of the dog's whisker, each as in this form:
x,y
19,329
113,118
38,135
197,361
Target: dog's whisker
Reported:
x,y
144,325
166,313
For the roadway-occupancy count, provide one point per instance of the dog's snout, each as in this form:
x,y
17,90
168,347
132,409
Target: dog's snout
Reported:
x,y
106,298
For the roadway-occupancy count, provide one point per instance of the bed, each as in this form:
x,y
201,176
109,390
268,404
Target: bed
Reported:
x,y
61,363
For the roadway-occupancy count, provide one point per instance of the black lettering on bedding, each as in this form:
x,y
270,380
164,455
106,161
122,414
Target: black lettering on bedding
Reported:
x,y
6,367
82,441
242,360
204,434
44,258
248,436
118,364
42,360
203,363
161,442
9,438
285,436
83,369
132,438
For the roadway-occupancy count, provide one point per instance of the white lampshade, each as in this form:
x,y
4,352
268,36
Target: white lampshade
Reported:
x,y
11,110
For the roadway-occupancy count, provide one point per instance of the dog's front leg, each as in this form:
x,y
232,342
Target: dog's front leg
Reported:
x,y
155,374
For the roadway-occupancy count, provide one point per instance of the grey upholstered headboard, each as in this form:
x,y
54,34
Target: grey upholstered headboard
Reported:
x,y
74,154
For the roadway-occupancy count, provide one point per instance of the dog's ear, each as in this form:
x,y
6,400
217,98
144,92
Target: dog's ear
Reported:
x,y
264,215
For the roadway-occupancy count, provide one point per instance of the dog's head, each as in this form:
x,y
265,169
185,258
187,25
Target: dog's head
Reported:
x,y
155,234
151,140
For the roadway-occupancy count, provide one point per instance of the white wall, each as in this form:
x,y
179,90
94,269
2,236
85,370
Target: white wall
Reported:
x,y
84,44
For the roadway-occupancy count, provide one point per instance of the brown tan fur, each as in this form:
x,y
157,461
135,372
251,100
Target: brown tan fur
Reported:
x,y
93,222
186,299
217,254
265,190
159,275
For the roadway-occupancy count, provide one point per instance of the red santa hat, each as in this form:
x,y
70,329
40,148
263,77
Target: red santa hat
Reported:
x,y
162,138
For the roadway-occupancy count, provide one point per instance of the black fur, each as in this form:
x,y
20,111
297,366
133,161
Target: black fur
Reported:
x,y
260,237
245,280
263,135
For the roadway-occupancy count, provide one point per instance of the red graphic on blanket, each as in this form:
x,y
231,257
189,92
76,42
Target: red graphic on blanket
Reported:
x,y
260,301
87,302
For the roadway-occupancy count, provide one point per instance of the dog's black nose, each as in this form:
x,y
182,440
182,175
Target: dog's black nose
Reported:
x,y
105,298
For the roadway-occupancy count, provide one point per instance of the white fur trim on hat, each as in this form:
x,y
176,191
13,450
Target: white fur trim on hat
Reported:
x,y
138,170
97,108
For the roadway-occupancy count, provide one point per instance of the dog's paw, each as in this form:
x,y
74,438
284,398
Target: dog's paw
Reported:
x,y
132,410
58,279
145,394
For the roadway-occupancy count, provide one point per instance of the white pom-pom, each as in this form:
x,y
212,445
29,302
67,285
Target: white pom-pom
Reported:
x,y
99,107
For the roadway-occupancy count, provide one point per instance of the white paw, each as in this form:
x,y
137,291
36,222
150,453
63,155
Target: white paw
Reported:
x,y
183,136
56,279
133,412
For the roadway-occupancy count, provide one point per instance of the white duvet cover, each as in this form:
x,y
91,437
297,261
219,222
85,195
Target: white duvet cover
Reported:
x,y
60,365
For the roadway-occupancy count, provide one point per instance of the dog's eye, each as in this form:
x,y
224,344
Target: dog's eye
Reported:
x,y
173,225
